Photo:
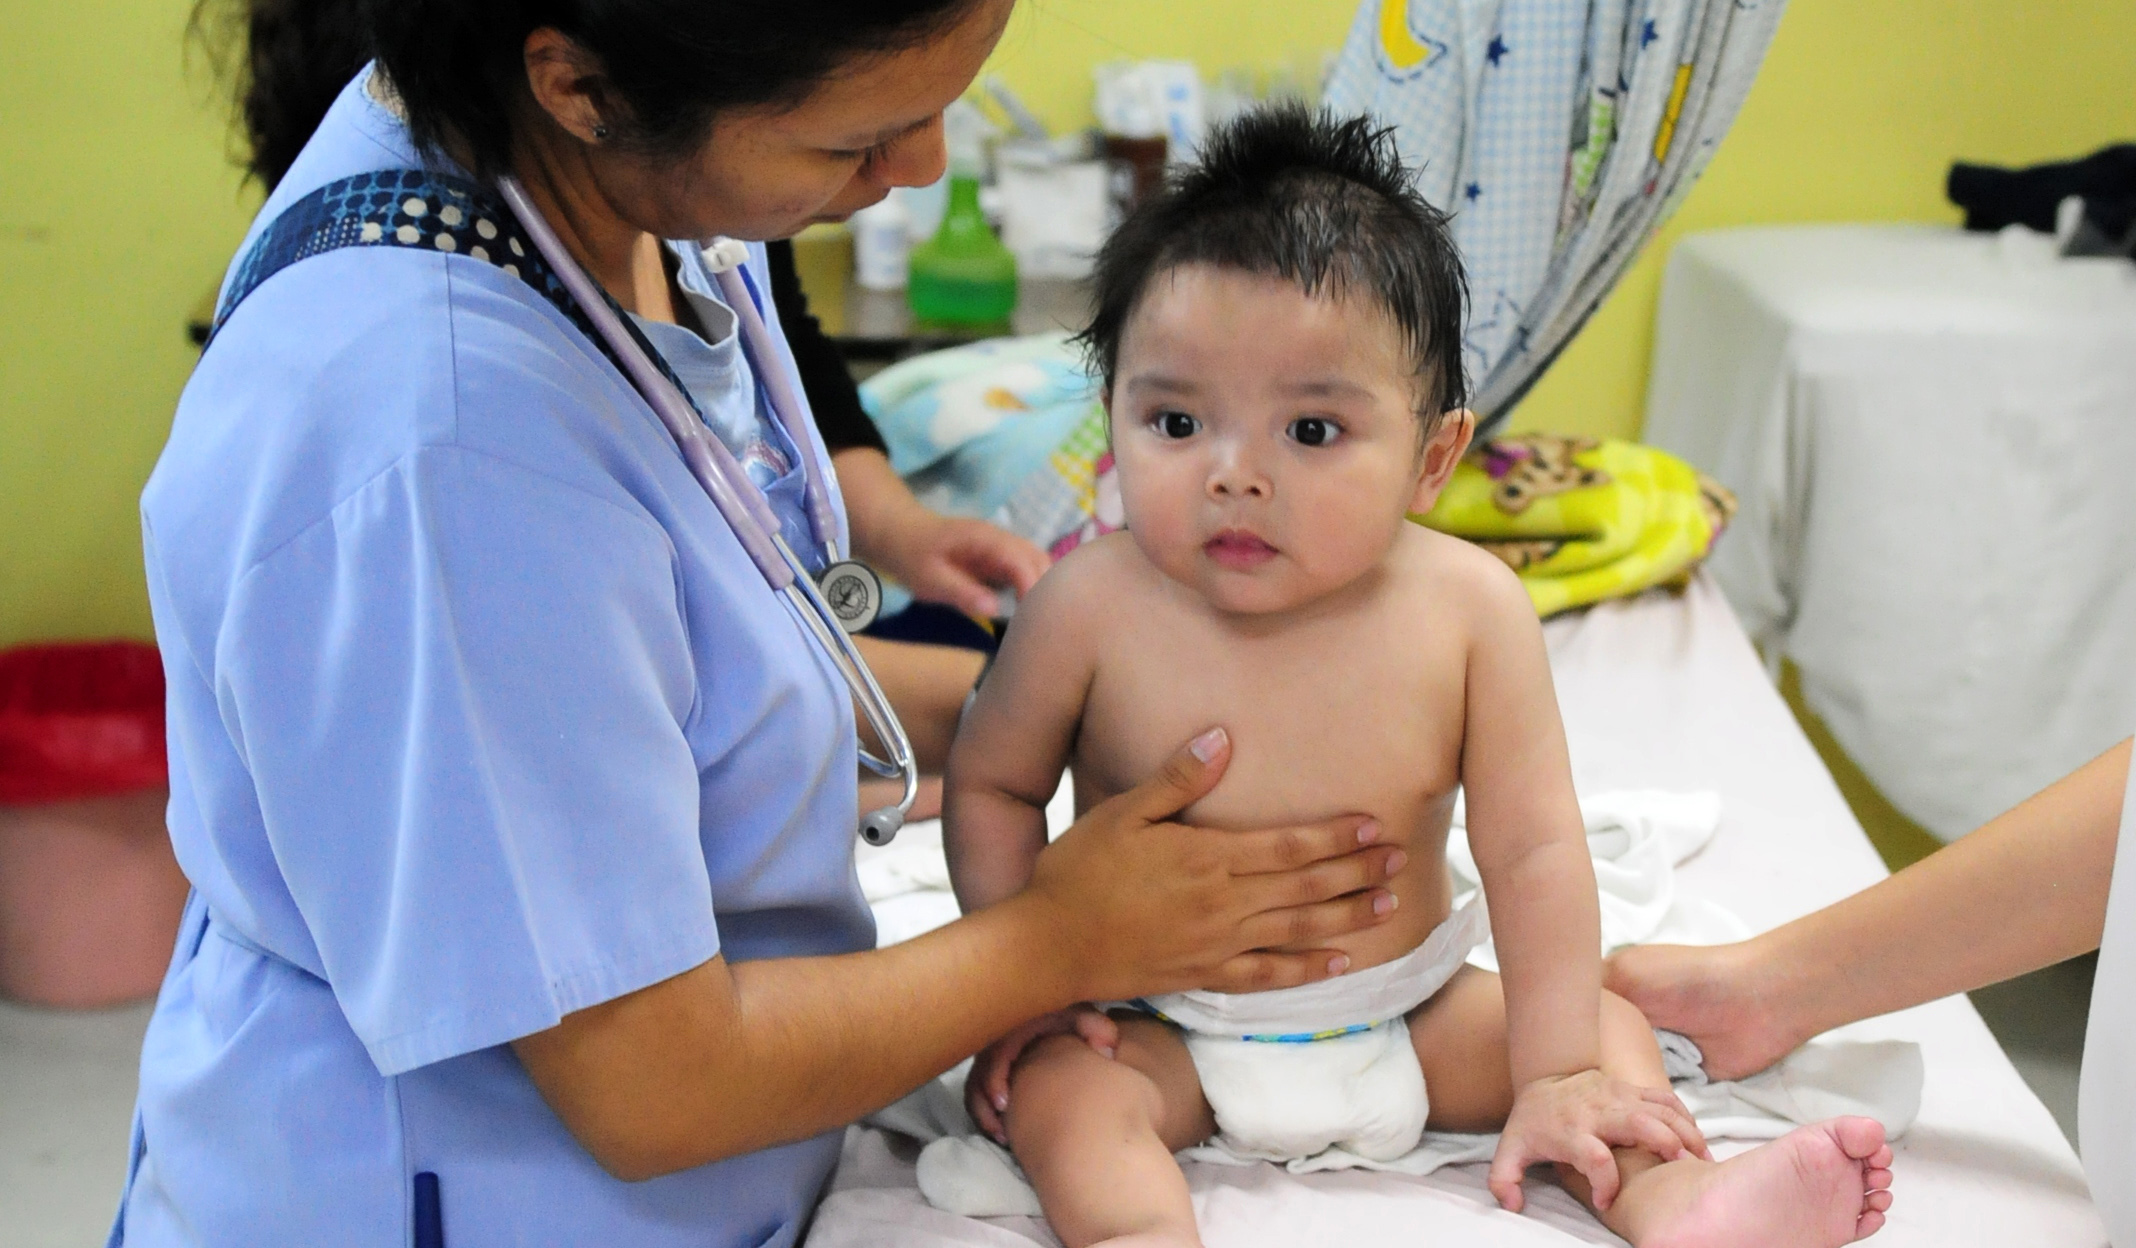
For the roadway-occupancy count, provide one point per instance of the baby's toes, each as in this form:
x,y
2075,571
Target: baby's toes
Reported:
x,y
1863,1139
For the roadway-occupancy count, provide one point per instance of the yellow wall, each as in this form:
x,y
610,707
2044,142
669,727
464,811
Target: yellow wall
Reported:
x,y
118,209
1860,109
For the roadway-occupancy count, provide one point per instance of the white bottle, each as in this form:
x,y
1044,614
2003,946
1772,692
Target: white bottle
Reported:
x,y
882,245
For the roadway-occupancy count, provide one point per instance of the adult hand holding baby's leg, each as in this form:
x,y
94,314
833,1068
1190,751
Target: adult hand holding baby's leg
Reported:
x,y
1145,906
1577,1120
986,1089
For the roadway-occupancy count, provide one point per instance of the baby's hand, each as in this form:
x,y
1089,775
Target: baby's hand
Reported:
x,y
986,1091
1577,1119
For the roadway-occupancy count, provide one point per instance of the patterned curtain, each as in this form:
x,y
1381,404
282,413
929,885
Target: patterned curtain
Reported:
x,y
1559,133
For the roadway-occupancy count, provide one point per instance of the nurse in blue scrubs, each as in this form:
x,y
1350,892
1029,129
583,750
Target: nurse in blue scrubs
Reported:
x,y
519,810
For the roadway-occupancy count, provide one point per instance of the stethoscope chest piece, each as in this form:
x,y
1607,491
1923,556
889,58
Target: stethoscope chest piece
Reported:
x,y
853,592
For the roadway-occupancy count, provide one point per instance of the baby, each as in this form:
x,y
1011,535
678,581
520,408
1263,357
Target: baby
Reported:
x,y
1278,335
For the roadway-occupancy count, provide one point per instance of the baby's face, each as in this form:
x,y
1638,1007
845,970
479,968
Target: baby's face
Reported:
x,y
1267,441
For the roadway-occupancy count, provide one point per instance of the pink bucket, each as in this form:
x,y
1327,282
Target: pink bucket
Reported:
x,y
90,895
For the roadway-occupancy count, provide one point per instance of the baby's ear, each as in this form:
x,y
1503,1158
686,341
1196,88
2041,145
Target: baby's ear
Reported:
x,y
1442,454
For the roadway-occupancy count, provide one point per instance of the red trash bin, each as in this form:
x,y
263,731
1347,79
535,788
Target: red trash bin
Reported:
x,y
90,895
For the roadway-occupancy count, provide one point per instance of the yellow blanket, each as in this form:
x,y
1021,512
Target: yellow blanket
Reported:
x,y
1582,520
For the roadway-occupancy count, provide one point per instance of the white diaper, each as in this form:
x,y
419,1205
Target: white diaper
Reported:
x,y
1294,1072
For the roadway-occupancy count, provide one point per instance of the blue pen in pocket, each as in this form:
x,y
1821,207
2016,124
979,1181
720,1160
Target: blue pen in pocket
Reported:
x,y
429,1212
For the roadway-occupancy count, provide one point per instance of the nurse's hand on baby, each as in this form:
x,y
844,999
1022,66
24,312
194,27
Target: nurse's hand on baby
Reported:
x,y
1142,905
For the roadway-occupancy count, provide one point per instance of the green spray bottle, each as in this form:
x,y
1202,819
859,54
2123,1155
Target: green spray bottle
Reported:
x,y
963,276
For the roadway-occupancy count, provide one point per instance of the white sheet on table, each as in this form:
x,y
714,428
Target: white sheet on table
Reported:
x,y
1930,435
964,1172
1658,692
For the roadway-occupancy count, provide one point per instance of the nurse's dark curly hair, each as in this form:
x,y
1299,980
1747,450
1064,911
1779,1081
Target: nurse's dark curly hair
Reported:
x,y
1318,201
285,61
669,66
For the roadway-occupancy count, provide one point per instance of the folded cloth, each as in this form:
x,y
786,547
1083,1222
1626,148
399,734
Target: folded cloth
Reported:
x,y
1636,837
1582,520
1346,1002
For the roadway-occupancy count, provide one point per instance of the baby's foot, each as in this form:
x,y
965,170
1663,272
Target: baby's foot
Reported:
x,y
1816,1187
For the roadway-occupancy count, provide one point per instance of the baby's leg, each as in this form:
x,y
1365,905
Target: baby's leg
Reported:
x,y
1818,1187
1097,1135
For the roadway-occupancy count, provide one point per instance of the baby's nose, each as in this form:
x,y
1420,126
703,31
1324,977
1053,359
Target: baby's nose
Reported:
x,y
1237,477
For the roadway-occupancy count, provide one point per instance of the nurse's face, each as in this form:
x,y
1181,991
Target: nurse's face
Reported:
x,y
874,125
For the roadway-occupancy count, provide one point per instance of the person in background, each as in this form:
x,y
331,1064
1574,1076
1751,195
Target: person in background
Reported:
x,y
2032,887
289,59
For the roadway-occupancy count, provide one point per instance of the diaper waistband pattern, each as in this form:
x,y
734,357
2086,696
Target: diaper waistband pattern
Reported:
x,y
1300,1037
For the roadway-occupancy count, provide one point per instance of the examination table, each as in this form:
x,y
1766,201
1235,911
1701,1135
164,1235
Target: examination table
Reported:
x,y
1661,691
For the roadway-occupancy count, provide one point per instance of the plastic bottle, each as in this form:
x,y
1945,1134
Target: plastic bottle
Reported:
x,y
963,275
881,247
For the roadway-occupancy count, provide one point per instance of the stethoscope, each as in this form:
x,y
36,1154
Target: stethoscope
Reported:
x,y
848,595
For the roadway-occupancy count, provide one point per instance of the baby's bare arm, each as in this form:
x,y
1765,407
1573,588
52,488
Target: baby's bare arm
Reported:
x,y
1015,740
1524,828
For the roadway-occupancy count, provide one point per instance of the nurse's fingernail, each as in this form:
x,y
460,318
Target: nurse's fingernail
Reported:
x,y
1385,903
1396,861
1107,1053
1205,746
1368,831
1338,964
1001,1102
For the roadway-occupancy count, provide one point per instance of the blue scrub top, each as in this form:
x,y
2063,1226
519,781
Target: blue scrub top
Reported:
x,y
478,715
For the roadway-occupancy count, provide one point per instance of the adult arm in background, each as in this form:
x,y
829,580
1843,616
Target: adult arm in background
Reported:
x,y
954,560
2027,890
730,1058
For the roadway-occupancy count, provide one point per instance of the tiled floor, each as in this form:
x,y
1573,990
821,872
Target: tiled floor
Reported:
x,y
66,1103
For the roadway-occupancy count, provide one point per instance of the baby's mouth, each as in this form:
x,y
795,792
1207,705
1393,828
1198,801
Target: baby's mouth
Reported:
x,y
1238,550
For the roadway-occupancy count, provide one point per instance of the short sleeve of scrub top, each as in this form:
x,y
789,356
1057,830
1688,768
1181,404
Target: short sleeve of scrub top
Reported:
x,y
479,716
2106,1097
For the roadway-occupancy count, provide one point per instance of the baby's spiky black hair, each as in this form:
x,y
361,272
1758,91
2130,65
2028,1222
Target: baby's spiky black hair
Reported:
x,y
1323,202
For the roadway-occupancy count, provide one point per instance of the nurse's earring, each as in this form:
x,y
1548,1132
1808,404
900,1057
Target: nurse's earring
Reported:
x,y
600,133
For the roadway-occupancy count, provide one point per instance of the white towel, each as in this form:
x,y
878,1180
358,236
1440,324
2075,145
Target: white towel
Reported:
x,y
1637,838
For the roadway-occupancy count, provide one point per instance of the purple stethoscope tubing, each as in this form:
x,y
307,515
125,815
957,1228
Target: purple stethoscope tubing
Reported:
x,y
738,500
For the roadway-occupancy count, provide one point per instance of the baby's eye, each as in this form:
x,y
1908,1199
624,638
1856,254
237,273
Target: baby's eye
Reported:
x,y
1314,430
1175,425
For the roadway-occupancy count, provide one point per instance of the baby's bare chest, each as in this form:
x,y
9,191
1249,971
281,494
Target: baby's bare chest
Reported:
x,y
1366,718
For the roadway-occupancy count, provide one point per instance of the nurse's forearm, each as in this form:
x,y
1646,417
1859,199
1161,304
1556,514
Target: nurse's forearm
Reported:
x,y
2027,890
725,1060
